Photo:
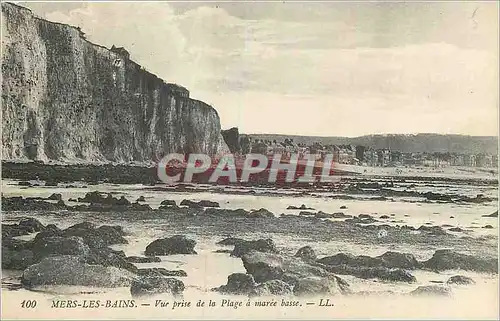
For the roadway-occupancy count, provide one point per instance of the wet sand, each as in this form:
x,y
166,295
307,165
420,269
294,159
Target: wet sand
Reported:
x,y
290,232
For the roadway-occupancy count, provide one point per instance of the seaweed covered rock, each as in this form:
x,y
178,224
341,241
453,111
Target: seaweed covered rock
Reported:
x,y
72,270
449,260
177,244
261,245
151,285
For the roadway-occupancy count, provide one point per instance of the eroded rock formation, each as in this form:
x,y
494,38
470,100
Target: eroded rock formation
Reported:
x,y
67,99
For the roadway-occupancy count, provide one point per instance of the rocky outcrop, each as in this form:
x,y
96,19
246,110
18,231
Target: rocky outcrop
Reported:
x,y
177,244
303,277
232,138
431,290
151,285
65,98
460,279
71,270
450,260
262,245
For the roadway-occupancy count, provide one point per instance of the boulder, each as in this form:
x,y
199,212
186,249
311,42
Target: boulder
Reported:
x,y
200,204
262,245
29,204
306,253
16,259
301,207
142,259
108,257
494,214
123,201
30,225
272,288
238,284
55,197
223,212
190,204
315,285
161,272
340,215
488,226
358,220
270,266
177,244
168,203
97,237
435,230
112,234
152,285
351,260
449,260
260,213
322,214
141,199
399,260
381,273
431,290
71,270
460,279
58,245
50,231
205,203
93,197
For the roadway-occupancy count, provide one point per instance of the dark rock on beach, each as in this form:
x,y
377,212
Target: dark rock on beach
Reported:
x,y
152,285
460,279
494,214
55,197
216,212
177,244
200,204
435,230
379,272
431,290
450,260
161,272
262,245
301,207
168,203
72,270
306,253
294,271
24,227
13,259
388,260
238,284
57,245
260,213
272,288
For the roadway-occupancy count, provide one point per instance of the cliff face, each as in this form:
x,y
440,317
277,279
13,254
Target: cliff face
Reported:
x,y
66,99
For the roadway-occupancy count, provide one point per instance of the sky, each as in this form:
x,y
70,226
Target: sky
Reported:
x,y
322,69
